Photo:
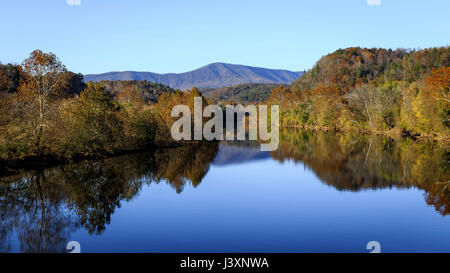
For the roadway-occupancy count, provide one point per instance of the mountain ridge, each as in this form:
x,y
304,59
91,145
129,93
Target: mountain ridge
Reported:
x,y
214,75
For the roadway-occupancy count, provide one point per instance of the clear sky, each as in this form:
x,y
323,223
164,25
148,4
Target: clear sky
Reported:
x,y
95,36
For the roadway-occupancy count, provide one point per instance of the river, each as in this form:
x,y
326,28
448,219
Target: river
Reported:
x,y
319,192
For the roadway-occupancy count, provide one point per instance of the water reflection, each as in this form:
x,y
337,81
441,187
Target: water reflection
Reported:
x,y
45,206
42,208
355,162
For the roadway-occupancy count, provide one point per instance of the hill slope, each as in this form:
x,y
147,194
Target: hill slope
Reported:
x,y
210,76
401,92
347,68
241,93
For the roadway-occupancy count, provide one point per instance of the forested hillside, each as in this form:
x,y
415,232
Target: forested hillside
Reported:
x,y
346,68
398,91
241,93
149,91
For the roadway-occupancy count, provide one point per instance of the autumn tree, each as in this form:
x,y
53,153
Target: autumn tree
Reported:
x,y
44,74
362,102
438,84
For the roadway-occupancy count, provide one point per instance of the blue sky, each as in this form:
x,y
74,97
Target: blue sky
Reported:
x,y
176,36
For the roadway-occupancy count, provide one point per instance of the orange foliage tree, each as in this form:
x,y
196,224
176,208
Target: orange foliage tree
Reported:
x,y
438,84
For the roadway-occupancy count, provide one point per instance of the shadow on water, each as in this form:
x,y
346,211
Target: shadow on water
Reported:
x,y
42,208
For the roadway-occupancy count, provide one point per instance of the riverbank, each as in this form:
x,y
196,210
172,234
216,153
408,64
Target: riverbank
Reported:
x,y
30,162
398,134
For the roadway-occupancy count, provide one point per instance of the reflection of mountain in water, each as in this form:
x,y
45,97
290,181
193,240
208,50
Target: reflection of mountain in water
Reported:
x,y
236,153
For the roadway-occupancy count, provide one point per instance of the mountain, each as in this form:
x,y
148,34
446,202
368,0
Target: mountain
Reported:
x,y
210,76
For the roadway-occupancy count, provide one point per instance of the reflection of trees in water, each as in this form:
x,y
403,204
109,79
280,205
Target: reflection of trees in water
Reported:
x,y
183,164
44,207
34,206
355,162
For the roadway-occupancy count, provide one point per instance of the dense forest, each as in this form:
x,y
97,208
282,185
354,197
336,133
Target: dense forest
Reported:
x,y
397,91
250,93
48,111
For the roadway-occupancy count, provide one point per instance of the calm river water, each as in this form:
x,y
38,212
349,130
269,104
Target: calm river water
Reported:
x,y
319,192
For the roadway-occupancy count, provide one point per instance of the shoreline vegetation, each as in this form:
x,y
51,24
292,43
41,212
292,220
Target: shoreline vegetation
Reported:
x,y
48,113
396,134
33,162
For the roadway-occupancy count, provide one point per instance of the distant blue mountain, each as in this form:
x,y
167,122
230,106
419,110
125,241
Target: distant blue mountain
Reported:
x,y
210,76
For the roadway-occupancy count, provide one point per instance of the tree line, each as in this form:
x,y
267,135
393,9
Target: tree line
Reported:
x,y
248,93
